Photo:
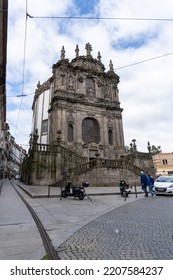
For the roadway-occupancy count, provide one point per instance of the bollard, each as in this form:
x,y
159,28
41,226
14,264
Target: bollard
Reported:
x,y
135,191
60,192
125,194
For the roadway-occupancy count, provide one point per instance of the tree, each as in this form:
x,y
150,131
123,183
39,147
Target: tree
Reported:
x,y
156,150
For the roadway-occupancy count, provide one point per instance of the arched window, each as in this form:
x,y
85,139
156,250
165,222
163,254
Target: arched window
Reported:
x,y
110,137
90,130
70,133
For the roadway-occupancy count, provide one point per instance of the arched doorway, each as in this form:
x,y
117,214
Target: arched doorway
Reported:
x,y
91,136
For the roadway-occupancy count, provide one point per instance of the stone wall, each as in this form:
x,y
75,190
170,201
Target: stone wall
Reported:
x,y
49,164
105,177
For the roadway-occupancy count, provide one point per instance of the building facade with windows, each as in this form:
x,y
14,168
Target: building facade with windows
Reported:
x,y
77,127
15,159
81,101
163,163
3,61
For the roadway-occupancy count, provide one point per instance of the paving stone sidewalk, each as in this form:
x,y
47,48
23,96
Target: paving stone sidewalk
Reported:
x,y
142,230
61,218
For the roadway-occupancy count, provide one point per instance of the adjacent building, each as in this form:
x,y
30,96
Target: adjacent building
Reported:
x,y
11,155
163,163
3,61
13,159
16,156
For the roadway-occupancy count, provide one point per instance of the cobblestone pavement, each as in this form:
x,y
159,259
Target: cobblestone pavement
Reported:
x,y
139,230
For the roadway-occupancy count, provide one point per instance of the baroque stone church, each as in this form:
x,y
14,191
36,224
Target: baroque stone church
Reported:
x,y
77,127
81,101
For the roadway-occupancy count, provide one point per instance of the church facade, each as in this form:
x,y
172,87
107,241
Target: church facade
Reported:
x,y
77,127
81,102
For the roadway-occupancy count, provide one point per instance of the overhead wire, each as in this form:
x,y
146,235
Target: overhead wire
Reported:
x,y
17,128
142,61
111,18
21,95
100,18
81,18
23,71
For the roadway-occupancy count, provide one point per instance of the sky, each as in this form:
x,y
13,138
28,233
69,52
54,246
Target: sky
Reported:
x,y
128,32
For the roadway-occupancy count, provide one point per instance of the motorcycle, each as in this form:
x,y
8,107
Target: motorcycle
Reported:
x,y
124,188
78,191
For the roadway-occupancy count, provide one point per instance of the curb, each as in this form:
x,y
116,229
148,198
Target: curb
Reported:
x,y
89,194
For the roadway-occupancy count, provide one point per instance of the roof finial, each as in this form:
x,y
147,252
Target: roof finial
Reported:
x,y
62,53
99,56
38,84
77,51
88,48
111,66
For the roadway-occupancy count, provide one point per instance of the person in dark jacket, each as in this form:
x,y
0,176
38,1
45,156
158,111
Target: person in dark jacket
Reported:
x,y
151,185
144,182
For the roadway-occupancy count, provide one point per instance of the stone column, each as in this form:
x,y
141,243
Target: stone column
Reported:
x,y
121,132
58,158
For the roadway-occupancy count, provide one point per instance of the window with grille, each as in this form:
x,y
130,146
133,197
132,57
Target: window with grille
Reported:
x,y
90,130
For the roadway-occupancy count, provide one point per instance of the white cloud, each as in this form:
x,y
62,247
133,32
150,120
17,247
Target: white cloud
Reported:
x,y
145,88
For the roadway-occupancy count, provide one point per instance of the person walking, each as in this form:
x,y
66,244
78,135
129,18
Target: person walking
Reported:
x,y
151,185
144,182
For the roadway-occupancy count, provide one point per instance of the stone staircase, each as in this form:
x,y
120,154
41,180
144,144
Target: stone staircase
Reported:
x,y
105,163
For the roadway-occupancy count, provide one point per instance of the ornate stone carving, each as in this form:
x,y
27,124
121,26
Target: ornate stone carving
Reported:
x,y
38,84
111,66
115,90
80,79
90,87
88,48
71,82
110,125
91,114
99,57
70,119
62,53
107,92
62,79
100,83
77,51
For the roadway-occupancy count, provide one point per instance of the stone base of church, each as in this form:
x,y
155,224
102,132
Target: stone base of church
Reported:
x,y
106,177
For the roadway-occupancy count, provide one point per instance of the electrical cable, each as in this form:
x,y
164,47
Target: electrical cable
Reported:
x,y
111,18
21,95
23,73
17,128
81,18
100,18
142,61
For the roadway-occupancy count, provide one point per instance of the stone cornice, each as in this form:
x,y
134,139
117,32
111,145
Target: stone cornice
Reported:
x,y
81,99
89,65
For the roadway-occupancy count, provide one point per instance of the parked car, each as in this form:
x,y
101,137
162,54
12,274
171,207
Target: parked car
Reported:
x,y
163,185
